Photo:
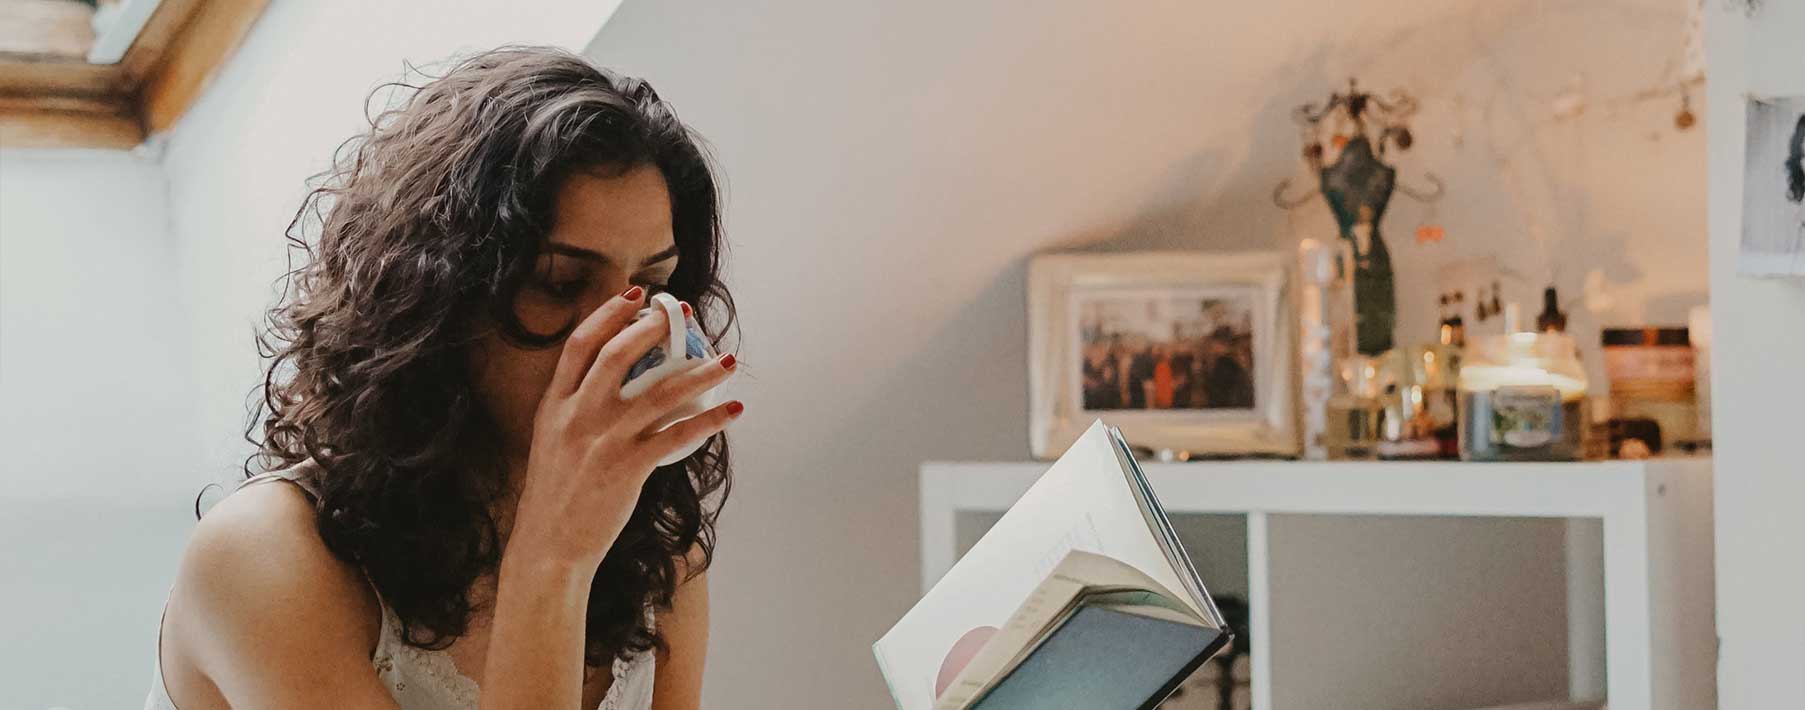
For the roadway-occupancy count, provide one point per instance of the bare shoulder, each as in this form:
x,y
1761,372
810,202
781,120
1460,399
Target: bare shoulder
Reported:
x,y
263,615
256,563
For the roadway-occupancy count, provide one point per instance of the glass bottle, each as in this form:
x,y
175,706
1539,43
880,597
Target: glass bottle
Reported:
x,y
1438,375
1355,412
1326,335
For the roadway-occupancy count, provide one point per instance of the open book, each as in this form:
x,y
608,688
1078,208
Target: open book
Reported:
x,y
1079,597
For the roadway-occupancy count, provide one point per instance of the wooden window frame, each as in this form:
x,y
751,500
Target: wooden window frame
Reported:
x,y
49,102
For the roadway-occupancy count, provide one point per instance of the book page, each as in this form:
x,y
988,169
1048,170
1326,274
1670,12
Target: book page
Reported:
x,y
1081,536
1082,501
1081,577
1046,607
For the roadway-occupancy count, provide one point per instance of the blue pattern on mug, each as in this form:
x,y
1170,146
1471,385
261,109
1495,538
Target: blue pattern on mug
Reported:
x,y
695,345
653,358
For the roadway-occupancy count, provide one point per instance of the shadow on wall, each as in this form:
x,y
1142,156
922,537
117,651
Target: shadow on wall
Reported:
x,y
1218,200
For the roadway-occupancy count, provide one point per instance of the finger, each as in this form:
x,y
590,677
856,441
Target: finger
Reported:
x,y
688,432
611,365
587,339
672,392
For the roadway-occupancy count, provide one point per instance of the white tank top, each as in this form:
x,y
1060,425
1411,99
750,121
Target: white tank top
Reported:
x,y
428,680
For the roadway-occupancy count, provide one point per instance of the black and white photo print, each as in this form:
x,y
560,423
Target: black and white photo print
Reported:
x,y
1773,189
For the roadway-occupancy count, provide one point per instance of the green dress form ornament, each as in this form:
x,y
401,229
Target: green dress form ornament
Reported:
x,y
1358,187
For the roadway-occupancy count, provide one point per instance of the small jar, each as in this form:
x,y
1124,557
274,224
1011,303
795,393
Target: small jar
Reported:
x,y
1522,398
1651,371
1419,403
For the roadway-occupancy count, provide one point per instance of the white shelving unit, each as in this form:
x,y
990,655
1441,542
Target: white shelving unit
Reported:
x,y
1651,520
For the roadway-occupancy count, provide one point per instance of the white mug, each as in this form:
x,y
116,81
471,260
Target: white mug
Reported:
x,y
691,350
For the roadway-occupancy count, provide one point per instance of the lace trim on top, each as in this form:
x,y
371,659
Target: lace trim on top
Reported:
x,y
424,678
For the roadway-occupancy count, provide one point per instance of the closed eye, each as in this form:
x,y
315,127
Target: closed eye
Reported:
x,y
562,287
566,290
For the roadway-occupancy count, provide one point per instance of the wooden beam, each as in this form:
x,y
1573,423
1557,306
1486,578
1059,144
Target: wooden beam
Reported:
x,y
44,128
21,74
46,103
69,103
152,42
192,58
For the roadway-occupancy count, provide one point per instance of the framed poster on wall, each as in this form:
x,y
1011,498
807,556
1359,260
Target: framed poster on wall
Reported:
x,y
1773,189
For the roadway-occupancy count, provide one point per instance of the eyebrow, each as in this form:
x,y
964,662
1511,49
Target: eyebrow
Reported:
x,y
577,252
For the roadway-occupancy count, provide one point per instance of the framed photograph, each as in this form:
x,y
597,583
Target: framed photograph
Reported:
x,y
1186,352
1773,189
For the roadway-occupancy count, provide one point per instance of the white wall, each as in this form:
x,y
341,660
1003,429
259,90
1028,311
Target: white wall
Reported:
x,y
238,160
1758,385
93,383
96,425
892,166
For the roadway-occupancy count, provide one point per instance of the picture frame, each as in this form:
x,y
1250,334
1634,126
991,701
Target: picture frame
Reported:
x,y
1189,353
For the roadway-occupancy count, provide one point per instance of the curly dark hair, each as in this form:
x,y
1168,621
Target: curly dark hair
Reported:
x,y
431,222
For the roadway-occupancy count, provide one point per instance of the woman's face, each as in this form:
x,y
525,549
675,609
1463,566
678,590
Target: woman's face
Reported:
x,y
608,233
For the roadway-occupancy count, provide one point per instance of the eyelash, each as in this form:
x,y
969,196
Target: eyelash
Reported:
x,y
566,290
569,289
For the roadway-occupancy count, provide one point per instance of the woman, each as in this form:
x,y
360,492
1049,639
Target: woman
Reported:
x,y
462,510
1163,382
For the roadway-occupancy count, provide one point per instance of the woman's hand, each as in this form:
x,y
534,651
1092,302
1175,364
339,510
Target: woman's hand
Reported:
x,y
590,455
592,450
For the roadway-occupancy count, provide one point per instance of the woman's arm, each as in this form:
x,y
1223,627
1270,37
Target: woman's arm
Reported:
x,y
592,451
536,646
678,684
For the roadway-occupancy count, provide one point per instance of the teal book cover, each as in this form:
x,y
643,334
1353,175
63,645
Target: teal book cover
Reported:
x,y
1105,659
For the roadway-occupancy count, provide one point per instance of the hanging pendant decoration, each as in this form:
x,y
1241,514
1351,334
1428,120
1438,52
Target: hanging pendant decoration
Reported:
x,y
1685,119
1430,231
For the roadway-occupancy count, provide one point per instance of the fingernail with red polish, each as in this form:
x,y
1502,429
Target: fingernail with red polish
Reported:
x,y
633,294
687,311
734,408
728,361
